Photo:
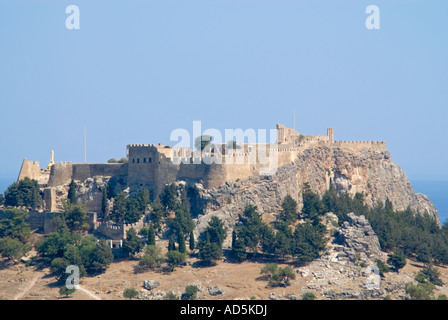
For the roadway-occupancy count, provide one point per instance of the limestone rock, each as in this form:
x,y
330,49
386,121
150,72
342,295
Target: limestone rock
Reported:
x,y
358,239
214,290
369,171
150,284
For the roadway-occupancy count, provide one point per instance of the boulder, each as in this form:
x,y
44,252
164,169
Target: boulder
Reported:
x,y
214,290
150,284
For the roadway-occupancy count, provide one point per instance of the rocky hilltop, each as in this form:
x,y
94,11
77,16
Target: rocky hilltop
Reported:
x,y
369,171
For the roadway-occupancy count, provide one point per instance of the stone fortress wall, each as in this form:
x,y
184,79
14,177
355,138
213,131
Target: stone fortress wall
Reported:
x,y
157,165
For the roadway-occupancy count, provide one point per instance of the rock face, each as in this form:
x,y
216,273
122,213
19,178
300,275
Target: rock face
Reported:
x,y
150,284
228,201
368,170
347,269
357,241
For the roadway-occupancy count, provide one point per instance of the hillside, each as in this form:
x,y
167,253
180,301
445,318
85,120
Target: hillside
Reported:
x,y
341,268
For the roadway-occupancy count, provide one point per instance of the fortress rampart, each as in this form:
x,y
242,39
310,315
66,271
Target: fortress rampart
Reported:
x,y
63,172
157,165
358,145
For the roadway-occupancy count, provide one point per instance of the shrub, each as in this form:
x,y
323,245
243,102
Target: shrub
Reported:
x,y
190,292
308,296
130,293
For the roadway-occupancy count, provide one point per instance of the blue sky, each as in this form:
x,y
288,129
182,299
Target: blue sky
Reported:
x,y
137,70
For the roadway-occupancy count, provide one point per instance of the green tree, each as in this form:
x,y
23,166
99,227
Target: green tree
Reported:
x,y
72,198
171,296
66,291
397,259
157,213
288,213
151,259
308,241
175,258
132,244
251,228
191,241
238,248
130,293
308,296
190,293
58,267
181,242
269,270
282,244
171,244
382,267
282,277
312,205
101,258
168,197
13,249
76,217
421,291
25,192
73,257
429,273
14,225
209,252
149,233
54,244
104,201
211,239
86,247
119,209
216,230
182,221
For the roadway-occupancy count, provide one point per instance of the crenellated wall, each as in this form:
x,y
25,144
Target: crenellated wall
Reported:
x,y
60,174
358,145
157,165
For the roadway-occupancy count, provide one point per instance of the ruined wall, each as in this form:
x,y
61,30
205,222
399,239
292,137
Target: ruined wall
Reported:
x,y
119,231
30,169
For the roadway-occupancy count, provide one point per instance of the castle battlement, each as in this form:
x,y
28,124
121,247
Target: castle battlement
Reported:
x,y
358,145
62,163
156,165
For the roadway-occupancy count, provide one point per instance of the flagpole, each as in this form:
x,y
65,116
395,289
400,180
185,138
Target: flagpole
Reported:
x,y
85,145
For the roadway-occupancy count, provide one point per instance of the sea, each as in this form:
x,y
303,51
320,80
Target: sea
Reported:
x,y
436,190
